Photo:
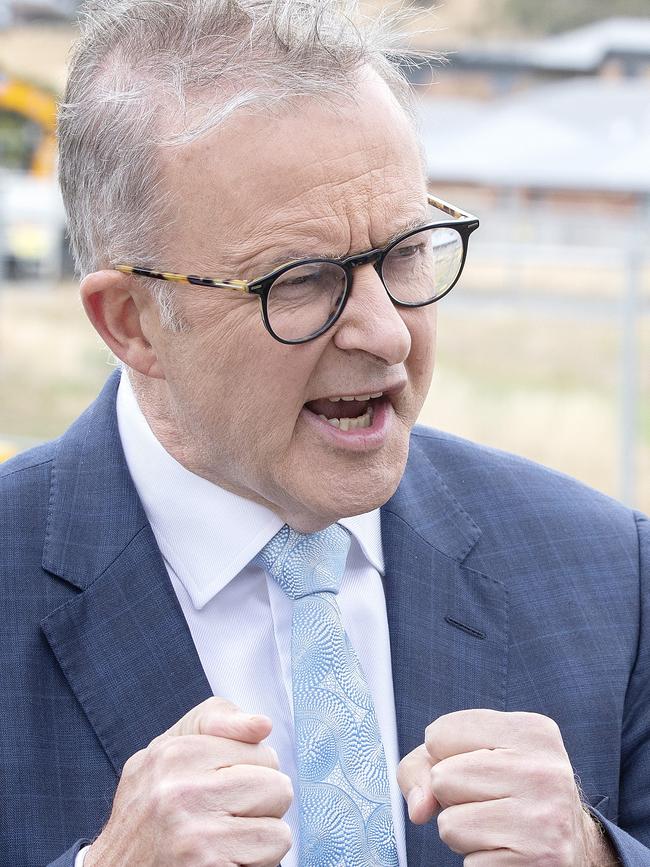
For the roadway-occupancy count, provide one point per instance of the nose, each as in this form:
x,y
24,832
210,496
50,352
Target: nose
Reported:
x,y
371,322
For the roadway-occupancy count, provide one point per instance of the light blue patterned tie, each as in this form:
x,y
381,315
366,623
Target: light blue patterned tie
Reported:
x,y
344,796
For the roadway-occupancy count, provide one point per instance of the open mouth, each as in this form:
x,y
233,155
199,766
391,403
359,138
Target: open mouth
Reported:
x,y
347,412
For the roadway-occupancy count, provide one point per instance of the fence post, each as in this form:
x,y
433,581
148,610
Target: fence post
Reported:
x,y
630,356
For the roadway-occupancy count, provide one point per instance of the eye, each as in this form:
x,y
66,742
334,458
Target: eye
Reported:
x,y
296,279
408,251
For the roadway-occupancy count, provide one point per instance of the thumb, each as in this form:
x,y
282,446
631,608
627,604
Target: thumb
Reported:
x,y
221,718
414,778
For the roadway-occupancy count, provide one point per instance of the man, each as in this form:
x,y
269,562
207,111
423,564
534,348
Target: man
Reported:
x,y
230,603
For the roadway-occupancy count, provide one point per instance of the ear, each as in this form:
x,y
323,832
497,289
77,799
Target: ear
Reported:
x,y
125,317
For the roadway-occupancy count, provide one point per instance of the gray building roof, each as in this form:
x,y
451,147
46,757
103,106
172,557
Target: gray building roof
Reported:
x,y
12,11
583,134
582,50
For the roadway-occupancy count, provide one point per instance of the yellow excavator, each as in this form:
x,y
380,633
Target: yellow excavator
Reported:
x,y
26,102
28,138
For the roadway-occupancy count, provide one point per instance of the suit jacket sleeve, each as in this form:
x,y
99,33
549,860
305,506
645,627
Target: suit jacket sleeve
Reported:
x,y
68,858
633,843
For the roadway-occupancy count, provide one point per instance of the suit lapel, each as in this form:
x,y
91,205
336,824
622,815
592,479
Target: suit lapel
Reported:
x,y
448,623
122,642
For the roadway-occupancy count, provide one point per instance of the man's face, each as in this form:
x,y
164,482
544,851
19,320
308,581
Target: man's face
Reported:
x,y
234,406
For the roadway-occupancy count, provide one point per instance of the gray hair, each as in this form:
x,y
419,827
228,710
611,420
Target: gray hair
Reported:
x,y
146,74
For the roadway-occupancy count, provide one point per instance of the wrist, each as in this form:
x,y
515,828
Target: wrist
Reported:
x,y
597,847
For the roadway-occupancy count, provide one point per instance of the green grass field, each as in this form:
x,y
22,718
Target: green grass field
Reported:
x,y
543,387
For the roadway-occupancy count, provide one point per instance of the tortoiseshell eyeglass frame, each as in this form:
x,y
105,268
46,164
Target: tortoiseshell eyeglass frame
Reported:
x,y
463,222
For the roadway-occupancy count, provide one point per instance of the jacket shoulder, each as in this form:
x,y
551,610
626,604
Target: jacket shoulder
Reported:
x,y
17,470
525,509
482,476
24,498
24,484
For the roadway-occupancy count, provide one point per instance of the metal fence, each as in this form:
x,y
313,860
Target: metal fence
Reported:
x,y
536,258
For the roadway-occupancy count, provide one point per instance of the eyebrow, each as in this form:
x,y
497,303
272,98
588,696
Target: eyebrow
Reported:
x,y
288,256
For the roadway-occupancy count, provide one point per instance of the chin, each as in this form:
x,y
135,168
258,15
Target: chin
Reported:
x,y
357,493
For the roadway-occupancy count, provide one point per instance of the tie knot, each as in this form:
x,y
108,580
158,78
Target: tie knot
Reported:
x,y
305,563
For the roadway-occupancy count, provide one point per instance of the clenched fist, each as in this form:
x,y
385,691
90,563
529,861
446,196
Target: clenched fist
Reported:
x,y
207,792
504,792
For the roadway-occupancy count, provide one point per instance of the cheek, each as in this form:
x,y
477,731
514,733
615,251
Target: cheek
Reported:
x,y
248,382
421,360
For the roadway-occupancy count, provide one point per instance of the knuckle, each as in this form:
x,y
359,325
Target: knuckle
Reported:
x,y
542,725
432,731
285,789
412,766
284,837
134,765
165,795
190,849
561,828
175,799
439,778
409,760
550,728
223,783
446,827
269,757
555,844
554,778
539,775
165,750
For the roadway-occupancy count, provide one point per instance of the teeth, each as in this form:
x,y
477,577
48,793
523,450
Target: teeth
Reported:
x,y
348,424
360,397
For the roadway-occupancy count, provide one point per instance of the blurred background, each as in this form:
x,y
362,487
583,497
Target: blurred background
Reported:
x,y
538,122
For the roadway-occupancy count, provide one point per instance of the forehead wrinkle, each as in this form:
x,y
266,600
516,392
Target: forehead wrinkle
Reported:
x,y
286,255
373,206
374,222
300,239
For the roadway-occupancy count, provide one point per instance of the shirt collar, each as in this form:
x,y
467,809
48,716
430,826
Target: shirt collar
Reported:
x,y
206,534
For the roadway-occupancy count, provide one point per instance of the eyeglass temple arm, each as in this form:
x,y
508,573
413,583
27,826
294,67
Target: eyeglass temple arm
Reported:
x,y
449,209
244,285
237,285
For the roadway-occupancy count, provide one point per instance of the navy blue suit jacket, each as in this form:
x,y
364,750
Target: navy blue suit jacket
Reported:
x,y
507,586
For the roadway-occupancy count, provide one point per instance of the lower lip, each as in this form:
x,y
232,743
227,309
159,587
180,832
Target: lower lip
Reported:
x,y
359,439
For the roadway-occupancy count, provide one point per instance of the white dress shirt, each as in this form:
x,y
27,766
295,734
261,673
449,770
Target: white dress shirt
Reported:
x,y
238,616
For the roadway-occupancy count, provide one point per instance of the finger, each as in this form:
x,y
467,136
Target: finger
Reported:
x,y
221,718
468,730
189,755
467,828
225,753
483,775
493,858
253,791
413,777
254,842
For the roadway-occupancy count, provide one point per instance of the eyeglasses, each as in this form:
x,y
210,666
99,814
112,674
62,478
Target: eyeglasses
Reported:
x,y
304,298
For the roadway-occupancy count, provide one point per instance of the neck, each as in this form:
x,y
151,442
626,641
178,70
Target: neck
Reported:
x,y
152,396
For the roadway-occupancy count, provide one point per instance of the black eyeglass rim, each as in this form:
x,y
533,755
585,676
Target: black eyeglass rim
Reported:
x,y
463,222
262,286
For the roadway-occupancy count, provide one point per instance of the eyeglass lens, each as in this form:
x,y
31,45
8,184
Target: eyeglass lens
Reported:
x,y
417,270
